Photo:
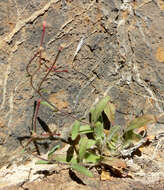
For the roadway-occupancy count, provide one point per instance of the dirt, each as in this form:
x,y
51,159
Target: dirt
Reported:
x,y
121,55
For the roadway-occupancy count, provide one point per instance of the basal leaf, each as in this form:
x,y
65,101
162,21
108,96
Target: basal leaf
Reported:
x,y
91,143
53,150
63,159
47,104
82,147
140,122
111,150
112,145
91,158
82,170
99,130
97,110
114,132
110,110
85,129
74,160
131,137
60,158
43,162
43,90
75,130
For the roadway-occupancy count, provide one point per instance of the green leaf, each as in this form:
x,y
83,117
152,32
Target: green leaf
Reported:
x,y
112,152
82,170
82,147
43,90
63,159
110,111
98,109
140,122
130,138
74,160
60,158
85,129
43,162
114,133
53,150
114,140
91,158
111,145
99,130
75,130
91,143
47,104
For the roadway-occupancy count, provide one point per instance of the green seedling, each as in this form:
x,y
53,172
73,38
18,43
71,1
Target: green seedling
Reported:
x,y
102,147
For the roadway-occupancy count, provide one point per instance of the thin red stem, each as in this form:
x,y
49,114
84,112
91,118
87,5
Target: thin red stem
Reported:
x,y
50,69
43,33
57,71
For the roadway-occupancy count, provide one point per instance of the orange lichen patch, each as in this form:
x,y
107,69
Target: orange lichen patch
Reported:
x,y
59,99
141,149
160,54
106,132
161,4
151,137
141,129
105,176
11,25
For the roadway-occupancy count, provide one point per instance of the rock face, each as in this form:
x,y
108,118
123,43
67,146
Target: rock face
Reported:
x,y
121,53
